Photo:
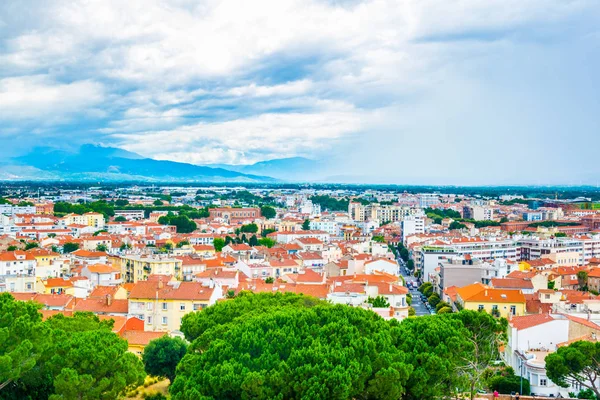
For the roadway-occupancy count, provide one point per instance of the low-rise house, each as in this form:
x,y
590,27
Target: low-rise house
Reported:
x,y
381,265
498,302
162,304
102,275
103,306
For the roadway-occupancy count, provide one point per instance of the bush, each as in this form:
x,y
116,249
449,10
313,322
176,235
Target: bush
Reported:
x,y
508,384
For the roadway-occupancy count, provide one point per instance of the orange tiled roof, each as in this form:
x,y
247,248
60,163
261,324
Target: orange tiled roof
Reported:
x,y
528,321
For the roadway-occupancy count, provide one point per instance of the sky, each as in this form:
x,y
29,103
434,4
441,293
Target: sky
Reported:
x,y
464,92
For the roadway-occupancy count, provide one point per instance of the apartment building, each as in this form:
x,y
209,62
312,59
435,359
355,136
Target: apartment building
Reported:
x,y
162,304
137,268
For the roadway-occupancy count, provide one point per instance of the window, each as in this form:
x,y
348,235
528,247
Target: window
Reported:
x,y
543,382
182,306
164,306
149,306
547,296
164,320
513,310
149,319
480,308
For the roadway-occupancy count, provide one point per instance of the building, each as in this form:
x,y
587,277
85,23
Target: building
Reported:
x,y
229,215
411,225
427,200
478,213
136,267
498,302
162,304
130,215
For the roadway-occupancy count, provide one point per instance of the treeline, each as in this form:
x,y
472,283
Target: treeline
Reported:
x,y
108,208
75,357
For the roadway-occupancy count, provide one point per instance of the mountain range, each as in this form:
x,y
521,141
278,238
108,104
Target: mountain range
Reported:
x,y
92,162
99,163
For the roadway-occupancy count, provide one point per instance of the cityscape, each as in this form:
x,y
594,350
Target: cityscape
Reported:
x,y
299,200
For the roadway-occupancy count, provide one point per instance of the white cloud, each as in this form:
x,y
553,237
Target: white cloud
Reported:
x,y
246,140
36,96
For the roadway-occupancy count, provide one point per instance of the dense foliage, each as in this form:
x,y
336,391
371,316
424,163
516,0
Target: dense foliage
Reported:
x,y
162,355
330,203
181,222
578,362
293,347
62,358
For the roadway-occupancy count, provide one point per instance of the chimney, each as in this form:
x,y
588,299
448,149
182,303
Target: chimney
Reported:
x,y
108,300
485,292
160,283
390,288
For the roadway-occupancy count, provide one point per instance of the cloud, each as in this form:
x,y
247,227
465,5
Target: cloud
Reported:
x,y
246,140
37,97
238,81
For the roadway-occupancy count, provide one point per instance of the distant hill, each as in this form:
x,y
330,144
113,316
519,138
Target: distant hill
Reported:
x,y
287,169
93,162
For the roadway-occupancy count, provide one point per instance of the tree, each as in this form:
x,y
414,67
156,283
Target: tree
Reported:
x,y
219,243
269,279
306,225
31,245
379,239
162,355
298,350
253,241
434,299
183,243
268,212
582,277
125,246
411,312
101,247
121,203
579,362
267,242
181,222
404,254
265,232
378,302
249,228
12,248
456,225
120,218
486,333
23,338
158,202
70,247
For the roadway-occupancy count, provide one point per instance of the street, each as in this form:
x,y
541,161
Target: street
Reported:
x,y
417,303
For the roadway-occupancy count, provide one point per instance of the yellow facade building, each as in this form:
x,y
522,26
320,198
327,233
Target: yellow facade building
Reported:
x,y
498,302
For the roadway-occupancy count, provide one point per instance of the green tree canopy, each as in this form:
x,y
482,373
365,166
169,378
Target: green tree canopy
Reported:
x,y
306,225
249,228
320,352
182,222
120,218
579,362
70,247
219,243
23,338
84,359
162,355
267,242
268,212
